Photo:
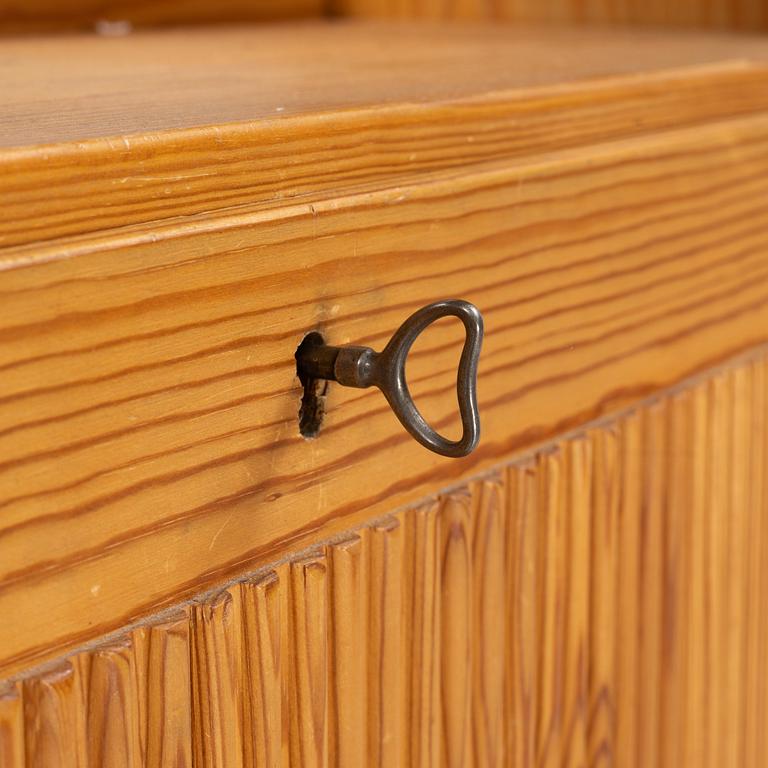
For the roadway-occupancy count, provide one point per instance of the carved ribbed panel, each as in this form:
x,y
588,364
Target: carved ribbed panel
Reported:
x,y
601,602
11,727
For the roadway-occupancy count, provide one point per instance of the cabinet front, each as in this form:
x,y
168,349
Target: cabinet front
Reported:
x,y
385,411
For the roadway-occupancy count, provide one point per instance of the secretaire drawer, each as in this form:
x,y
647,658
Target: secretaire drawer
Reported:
x,y
611,231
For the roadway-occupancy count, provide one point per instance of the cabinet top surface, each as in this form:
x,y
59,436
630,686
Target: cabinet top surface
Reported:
x,y
71,88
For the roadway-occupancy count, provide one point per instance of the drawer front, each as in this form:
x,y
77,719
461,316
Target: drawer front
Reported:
x,y
150,445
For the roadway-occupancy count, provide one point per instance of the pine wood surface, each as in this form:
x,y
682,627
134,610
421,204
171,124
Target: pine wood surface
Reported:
x,y
112,16
149,433
148,399
602,601
188,78
710,14
187,122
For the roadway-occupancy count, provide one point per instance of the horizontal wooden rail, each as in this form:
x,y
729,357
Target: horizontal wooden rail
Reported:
x,y
149,442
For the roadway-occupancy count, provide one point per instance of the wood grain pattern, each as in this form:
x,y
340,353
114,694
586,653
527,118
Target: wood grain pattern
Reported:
x,y
308,658
604,650
56,715
125,703
455,623
348,629
248,74
568,608
117,17
158,377
112,733
489,639
385,650
12,753
711,14
421,638
264,633
219,693
163,681
340,111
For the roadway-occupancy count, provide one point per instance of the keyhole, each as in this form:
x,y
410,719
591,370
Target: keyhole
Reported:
x,y
312,408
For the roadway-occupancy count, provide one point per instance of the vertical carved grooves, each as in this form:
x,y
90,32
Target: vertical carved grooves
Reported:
x,y
11,727
603,602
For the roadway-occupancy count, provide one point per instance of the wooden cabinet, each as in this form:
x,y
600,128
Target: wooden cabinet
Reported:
x,y
186,581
